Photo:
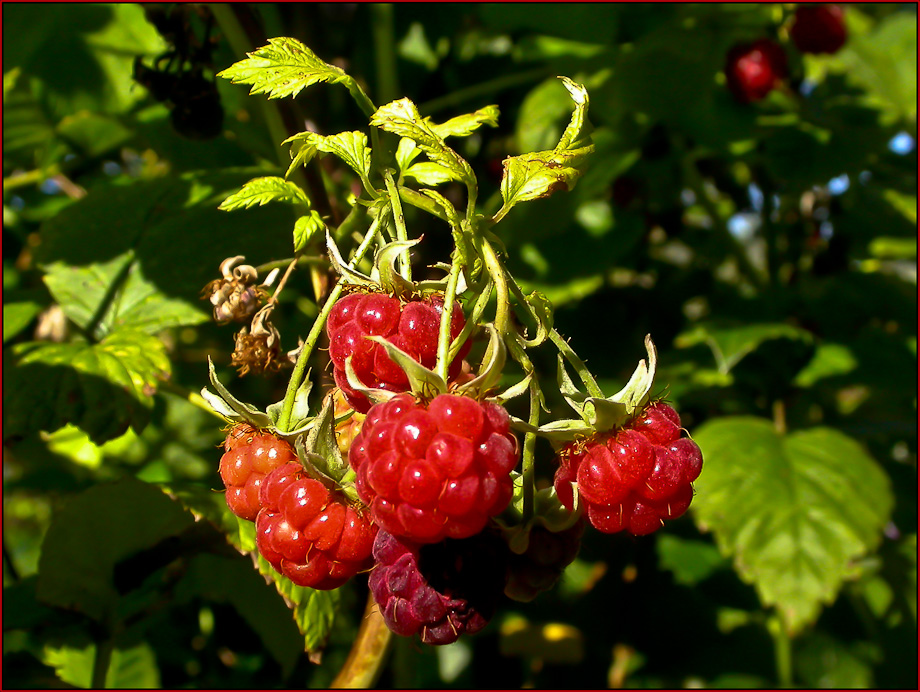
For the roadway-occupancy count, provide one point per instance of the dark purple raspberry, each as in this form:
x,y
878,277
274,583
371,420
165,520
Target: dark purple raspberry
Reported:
x,y
542,564
818,28
441,590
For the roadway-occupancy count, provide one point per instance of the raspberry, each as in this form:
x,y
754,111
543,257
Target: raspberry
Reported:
x,y
754,69
635,477
345,431
435,471
818,29
309,534
413,327
438,591
540,566
250,456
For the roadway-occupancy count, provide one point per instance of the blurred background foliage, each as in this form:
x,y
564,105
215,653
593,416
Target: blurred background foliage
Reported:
x,y
769,248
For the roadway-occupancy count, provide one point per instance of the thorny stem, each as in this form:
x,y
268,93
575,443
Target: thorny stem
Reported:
x,y
586,377
368,652
300,366
450,294
405,268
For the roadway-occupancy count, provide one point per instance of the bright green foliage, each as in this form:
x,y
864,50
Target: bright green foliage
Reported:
x,y
794,511
259,191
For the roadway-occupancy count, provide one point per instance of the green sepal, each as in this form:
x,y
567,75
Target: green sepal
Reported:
x,y
300,413
490,371
228,406
349,275
542,309
514,390
374,395
385,272
319,452
549,513
423,382
565,430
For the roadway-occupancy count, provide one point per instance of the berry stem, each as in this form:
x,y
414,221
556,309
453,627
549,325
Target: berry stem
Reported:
x,y
782,645
300,367
530,439
497,272
365,661
586,377
405,268
450,294
479,307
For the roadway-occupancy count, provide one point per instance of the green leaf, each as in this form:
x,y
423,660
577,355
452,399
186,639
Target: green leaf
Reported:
x,y
732,342
129,668
259,191
102,388
539,174
18,316
284,67
351,147
428,173
306,228
118,289
829,360
402,118
792,511
689,561
94,531
465,125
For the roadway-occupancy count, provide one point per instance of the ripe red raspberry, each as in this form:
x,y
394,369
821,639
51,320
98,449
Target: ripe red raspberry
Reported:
x,y
413,327
540,566
250,456
308,534
818,29
438,591
754,69
634,477
433,471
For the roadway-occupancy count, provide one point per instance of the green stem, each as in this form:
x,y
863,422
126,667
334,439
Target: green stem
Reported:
x,y
479,307
477,91
497,271
384,51
368,653
300,367
450,294
32,177
530,439
405,268
782,646
586,377
101,662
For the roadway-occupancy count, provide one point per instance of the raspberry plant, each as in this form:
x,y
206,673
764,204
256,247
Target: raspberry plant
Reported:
x,y
419,425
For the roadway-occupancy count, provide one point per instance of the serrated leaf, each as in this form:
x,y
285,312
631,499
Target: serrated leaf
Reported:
x,y
402,118
465,125
732,342
102,388
351,147
306,228
539,174
119,289
18,316
93,532
792,511
259,191
284,67
428,173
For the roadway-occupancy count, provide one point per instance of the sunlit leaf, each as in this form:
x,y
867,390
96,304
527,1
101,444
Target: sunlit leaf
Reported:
x,y
259,191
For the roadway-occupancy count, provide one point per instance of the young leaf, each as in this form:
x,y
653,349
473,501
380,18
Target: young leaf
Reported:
x,y
306,228
429,173
284,67
259,191
539,174
793,511
402,118
102,388
465,125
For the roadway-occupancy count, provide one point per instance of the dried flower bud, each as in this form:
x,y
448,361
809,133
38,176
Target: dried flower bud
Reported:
x,y
258,347
235,297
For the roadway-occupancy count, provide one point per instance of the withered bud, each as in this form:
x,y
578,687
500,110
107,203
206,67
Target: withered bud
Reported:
x,y
258,347
235,297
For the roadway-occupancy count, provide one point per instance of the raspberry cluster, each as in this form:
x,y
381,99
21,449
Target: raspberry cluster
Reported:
x,y
309,534
439,591
634,478
436,470
413,327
